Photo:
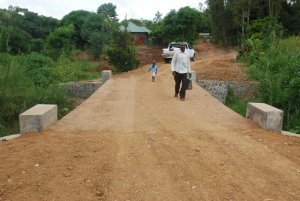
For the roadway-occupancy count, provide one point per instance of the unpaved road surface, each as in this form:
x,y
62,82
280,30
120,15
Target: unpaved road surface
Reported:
x,y
133,140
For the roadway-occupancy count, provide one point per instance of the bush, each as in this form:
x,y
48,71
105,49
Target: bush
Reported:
x,y
240,106
230,98
37,45
279,75
122,52
17,40
18,91
98,41
60,42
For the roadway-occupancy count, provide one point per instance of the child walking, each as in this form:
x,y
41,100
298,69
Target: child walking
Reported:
x,y
153,69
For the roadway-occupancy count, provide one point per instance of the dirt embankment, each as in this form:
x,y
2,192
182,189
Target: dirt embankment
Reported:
x,y
211,63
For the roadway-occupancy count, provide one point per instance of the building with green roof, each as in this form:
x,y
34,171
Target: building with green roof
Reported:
x,y
140,33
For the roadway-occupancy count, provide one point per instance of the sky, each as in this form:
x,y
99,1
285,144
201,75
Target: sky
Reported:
x,y
136,9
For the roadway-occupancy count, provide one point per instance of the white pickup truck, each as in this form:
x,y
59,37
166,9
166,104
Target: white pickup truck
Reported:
x,y
169,52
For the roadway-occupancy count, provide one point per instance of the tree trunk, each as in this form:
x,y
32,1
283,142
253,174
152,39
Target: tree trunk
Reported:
x,y
248,19
270,8
216,34
224,34
243,28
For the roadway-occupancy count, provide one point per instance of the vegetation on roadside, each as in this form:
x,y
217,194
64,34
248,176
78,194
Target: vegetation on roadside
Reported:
x,y
274,62
237,104
122,53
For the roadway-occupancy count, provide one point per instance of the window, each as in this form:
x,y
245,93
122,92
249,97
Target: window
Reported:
x,y
141,38
136,38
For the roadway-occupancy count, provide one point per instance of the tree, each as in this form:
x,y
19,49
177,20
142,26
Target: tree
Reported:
x,y
5,18
158,17
201,7
77,18
183,25
37,26
91,23
108,9
14,40
122,52
147,23
60,41
134,21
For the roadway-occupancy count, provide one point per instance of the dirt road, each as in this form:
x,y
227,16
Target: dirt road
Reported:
x,y
133,140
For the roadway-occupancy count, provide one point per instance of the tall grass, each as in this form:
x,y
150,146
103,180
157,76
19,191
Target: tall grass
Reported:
x,y
19,92
278,71
25,81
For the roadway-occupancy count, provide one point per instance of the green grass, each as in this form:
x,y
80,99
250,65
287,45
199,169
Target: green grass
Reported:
x,y
197,41
240,106
94,75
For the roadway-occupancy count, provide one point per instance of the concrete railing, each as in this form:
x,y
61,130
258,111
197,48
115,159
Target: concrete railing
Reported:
x,y
37,118
266,116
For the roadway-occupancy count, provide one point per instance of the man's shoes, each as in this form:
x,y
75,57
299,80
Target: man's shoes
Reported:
x,y
182,99
176,95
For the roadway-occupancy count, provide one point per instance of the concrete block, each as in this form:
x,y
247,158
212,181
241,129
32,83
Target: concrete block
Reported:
x,y
9,137
193,75
266,116
37,118
106,74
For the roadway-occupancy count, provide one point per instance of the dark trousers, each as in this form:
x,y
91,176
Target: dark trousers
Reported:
x,y
180,78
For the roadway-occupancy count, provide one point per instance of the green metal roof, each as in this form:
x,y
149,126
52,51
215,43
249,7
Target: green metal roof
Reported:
x,y
134,28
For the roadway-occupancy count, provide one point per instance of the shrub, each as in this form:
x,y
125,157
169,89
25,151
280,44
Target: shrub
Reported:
x,y
122,52
230,98
60,42
37,45
17,40
18,91
278,71
98,41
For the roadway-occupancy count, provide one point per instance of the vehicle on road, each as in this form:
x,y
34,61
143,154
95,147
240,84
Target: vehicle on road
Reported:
x,y
169,52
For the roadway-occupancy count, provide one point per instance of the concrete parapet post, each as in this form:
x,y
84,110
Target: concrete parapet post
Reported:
x,y
37,118
266,116
193,75
106,74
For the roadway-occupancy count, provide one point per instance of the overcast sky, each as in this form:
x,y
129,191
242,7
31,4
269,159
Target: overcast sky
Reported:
x,y
134,8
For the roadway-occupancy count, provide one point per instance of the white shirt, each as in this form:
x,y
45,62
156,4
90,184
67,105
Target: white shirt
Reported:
x,y
181,62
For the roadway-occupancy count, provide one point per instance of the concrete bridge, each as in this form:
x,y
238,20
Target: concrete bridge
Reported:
x,y
133,140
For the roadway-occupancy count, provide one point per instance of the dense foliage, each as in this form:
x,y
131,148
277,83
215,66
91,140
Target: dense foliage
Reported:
x,y
232,20
183,25
122,52
77,18
263,31
275,63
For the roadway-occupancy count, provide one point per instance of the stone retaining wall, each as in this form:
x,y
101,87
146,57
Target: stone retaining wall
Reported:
x,y
81,90
219,89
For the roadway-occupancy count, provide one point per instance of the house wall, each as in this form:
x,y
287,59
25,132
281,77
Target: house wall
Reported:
x,y
139,41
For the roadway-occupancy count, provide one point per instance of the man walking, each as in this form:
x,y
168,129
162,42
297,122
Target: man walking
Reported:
x,y
180,68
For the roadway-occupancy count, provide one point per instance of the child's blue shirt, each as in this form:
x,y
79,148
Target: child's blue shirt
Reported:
x,y
153,69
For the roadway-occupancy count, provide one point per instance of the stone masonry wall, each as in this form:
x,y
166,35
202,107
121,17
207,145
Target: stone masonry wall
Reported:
x,y
219,89
82,90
